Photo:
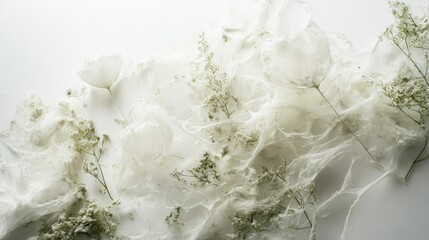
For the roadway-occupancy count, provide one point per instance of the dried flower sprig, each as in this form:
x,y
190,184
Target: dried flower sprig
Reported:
x,y
232,134
407,92
270,175
173,218
220,100
244,138
268,218
86,141
409,33
91,220
282,210
205,172
302,195
35,108
258,221
273,215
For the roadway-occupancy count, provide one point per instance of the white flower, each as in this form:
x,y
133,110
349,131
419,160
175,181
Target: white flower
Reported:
x,y
147,140
102,72
301,61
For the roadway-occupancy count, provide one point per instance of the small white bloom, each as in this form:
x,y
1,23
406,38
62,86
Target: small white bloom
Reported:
x,y
147,140
301,61
102,72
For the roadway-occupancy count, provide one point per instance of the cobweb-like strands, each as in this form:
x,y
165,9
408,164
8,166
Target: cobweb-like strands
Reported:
x,y
260,133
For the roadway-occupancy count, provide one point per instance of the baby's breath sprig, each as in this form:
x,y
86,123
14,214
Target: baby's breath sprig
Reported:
x,y
301,195
409,33
220,99
256,221
270,175
173,218
277,213
244,138
86,141
232,134
205,172
35,108
282,210
407,92
91,220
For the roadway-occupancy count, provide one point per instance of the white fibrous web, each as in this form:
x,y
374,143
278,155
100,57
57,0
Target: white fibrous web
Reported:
x,y
261,133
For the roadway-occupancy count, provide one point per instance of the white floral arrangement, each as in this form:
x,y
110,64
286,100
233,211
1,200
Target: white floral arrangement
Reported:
x,y
230,145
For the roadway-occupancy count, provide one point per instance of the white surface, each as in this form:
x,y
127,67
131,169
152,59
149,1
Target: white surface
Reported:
x,y
43,44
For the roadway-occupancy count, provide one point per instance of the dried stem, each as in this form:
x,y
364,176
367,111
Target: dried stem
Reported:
x,y
345,124
117,105
417,159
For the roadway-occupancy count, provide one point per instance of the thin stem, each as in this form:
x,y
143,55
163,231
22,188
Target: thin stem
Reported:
x,y
103,181
305,212
422,159
408,48
414,120
416,160
427,68
226,110
117,105
301,228
308,219
341,119
421,47
413,62
415,24
87,152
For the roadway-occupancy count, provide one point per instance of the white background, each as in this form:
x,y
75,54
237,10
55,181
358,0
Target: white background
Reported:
x,y
43,44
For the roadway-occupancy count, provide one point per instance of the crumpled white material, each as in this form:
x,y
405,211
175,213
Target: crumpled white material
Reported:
x,y
40,179
275,56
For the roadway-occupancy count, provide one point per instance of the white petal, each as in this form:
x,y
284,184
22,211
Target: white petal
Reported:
x,y
102,72
147,141
300,62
